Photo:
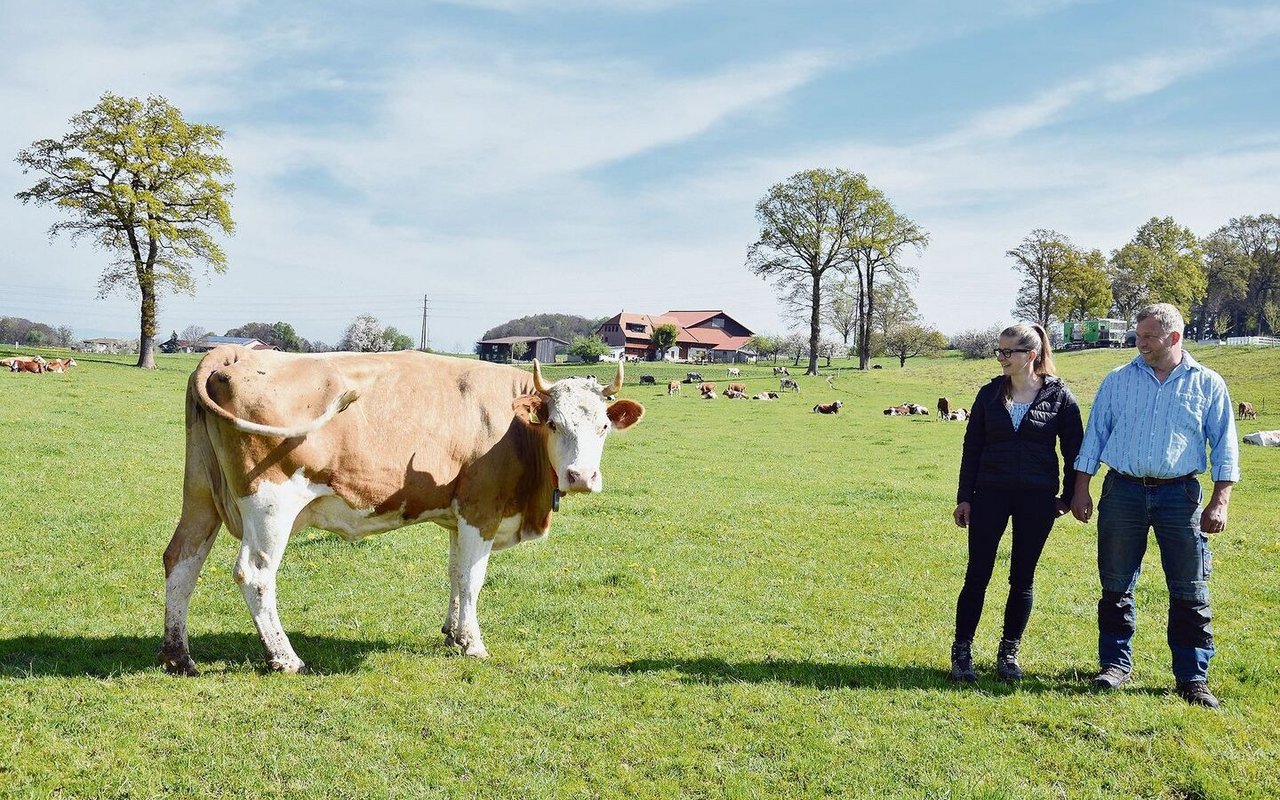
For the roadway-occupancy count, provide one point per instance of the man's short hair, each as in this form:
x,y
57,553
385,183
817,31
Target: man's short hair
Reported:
x,y
1168,315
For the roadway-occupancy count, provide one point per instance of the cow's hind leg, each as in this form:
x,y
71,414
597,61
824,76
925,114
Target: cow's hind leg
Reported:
x,y
450,628
268,518
183,559
473,563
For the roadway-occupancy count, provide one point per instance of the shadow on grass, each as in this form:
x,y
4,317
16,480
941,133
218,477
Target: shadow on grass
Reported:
x,y
819,675
106,656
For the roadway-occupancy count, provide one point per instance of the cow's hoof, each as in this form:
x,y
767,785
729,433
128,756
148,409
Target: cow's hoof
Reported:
x,y
288,666
449,641
181,664
476,651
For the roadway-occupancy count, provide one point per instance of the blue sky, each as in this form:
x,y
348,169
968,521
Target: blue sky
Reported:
x,y
512,157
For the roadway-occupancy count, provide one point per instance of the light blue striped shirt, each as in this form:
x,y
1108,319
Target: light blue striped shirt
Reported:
x,y
1158,430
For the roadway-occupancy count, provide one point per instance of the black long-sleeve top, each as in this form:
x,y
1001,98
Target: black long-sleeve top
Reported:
x,y
998,456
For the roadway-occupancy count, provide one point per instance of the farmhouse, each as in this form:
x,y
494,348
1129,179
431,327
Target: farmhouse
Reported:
x,y
542,348
703,336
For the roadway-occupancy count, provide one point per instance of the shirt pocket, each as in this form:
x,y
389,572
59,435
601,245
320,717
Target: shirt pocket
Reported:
x,y
1190,403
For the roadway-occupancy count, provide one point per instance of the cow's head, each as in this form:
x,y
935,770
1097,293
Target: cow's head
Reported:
x,y
575,416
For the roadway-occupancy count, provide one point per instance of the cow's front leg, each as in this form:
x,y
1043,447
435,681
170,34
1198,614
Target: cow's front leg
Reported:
x,y
473,562
450,627
266,532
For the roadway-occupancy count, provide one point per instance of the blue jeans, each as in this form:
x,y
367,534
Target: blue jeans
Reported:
x,y
1126,511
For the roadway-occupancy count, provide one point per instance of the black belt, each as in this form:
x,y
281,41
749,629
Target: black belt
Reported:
x,y
1190,476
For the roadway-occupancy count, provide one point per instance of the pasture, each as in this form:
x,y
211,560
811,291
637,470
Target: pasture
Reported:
x,y
759,605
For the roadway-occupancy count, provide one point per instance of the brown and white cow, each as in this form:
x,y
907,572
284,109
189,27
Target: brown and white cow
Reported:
x,y
1247,411
673,387
740,388
960,415
60,365
828,408
29,366
363,443
17,363
706,386
762,396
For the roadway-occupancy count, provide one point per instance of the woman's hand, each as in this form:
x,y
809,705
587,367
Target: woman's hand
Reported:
x,y
961,515
1059,507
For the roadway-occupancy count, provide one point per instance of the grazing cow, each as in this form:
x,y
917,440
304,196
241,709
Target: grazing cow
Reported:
x,y
1247,411
733,372
740,388
693,377
363,443
828,408
673,388
789,383
707,387
944,409
648,380
780,371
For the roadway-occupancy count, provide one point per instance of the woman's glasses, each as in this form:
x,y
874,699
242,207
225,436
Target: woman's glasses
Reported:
x,y
1005,352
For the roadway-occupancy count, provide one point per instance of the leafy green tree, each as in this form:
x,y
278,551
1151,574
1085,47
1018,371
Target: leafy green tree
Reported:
x,y
765,346
1045,257
396,340
143,184
589,348
1163,263
806,224
912,339
1243,283
1085,288
518,350
665,337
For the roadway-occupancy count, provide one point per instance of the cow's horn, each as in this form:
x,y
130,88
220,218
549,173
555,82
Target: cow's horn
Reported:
x,y
612,389
538,383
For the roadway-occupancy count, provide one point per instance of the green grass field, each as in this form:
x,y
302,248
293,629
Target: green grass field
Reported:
x,y
759,605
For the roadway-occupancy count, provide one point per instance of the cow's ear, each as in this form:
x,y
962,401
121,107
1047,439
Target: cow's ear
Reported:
x,y
531,409
624,413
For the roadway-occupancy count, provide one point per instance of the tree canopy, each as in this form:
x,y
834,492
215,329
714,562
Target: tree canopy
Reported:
x,y
366,335
565,327
142,184
1045,258
1242,293
1163,263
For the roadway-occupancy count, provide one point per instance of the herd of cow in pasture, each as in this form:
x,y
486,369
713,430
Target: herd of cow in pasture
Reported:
x,y
37,364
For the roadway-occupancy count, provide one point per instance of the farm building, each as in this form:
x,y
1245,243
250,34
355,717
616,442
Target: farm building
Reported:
x,y
542,348
703,336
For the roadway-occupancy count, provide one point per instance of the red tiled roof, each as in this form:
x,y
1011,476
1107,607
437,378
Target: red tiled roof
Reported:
x,y
687,318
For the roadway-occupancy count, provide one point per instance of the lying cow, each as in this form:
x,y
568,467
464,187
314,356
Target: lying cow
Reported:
x,y
483,450
706,386
788,383
740,388
673,387
735,395
648,380
780,371
709,395
693,377
897,411
28,366
15,363
916,408
763,396
60,365
1247,411
959,415
733,372
1263,438
828,408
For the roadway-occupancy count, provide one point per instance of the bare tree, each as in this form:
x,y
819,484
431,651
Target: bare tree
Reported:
x,y
881,237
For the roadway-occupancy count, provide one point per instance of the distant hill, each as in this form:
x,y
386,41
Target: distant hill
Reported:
x,y
561,326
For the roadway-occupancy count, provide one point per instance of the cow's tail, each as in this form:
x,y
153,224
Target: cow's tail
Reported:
x,y
210,371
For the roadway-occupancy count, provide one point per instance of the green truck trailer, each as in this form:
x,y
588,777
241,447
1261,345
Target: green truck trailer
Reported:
x,y
1083,334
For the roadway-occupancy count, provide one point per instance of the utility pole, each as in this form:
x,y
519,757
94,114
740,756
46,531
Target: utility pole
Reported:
x,y
426,339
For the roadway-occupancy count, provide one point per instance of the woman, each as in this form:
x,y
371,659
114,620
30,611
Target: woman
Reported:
x,y
1009,470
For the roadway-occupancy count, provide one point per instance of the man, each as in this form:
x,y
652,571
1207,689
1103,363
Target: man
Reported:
x,y
1150,423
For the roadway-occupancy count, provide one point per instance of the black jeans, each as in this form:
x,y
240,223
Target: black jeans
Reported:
x,y
1033,515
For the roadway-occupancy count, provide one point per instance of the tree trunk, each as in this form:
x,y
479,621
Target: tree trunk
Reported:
x,y
147,332
815,323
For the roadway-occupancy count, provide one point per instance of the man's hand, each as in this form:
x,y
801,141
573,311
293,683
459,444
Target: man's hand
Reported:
x,y
1081,502
961,515
1214,517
